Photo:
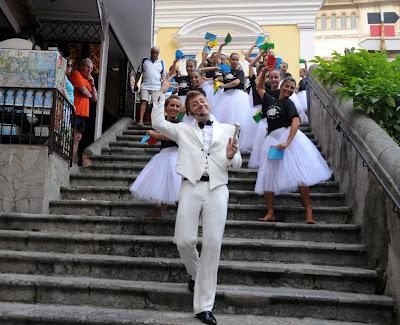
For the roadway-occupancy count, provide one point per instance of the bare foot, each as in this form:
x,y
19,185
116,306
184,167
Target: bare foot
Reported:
x,y
309,216
268,218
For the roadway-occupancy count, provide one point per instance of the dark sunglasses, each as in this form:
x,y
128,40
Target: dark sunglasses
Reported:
x,y
69,65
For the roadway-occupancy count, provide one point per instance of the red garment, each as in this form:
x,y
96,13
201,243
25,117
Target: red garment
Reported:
x,y
81,102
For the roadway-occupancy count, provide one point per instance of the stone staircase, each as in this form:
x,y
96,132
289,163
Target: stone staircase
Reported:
x,y
97,258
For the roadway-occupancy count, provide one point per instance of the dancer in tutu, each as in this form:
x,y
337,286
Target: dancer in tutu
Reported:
x,y
183,82
301,166
252,134
158,181
233,105
257,150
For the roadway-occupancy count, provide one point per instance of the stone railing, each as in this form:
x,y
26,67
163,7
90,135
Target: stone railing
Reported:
x,y
366,161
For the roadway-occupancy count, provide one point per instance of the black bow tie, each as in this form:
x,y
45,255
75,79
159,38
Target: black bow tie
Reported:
x,y
201,124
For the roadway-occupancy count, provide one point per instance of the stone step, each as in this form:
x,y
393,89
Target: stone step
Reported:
x,y
136,144
235,183
342,306
300,276
339,233
126,169
240,249
145,128
136,168
235,196
249,212
137,138
120,149
107,158
41,314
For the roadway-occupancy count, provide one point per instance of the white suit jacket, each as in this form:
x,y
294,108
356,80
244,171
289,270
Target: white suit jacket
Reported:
x,y
191,157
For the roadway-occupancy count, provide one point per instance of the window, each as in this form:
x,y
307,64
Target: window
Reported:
x,y
323,22
333,22
353,21
343,21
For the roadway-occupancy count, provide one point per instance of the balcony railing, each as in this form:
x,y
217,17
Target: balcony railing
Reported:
x,y
37,116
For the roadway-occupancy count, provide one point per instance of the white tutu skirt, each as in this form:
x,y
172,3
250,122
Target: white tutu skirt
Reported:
x,y
301,105
257,149
158,181
302,164
232,106
249,129
208,87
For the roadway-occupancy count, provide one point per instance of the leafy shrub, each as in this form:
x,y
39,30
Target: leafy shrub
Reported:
x,y
370,80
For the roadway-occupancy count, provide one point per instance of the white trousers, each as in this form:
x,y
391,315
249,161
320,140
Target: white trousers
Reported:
x,y
212,205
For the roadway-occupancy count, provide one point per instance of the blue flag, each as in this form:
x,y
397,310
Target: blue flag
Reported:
x,y
145,139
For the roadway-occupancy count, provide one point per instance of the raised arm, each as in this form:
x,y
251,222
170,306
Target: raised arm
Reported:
x,y
248,54
172,69
158,121
260,83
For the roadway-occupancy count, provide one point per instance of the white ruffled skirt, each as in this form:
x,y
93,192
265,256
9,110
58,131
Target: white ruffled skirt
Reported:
x,y
257,150
158,181
208,87
249,128
300,101
232,106
302,164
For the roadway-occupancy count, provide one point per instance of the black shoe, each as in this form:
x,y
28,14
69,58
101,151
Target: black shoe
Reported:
x,y
191,285
207,317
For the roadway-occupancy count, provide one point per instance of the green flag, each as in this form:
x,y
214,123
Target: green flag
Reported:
x,y
257,115
180,116
267,46
302,60
228,38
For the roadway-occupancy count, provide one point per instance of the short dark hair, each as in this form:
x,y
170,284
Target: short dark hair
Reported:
x,y
190,95
291,79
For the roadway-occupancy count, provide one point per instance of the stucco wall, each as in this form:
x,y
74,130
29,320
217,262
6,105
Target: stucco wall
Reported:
x,y
285,37
29,178
287,45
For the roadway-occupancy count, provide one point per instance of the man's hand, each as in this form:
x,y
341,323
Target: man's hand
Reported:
x,y
90,79
231,148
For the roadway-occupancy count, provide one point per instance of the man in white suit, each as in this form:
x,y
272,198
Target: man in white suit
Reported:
x,y
206,150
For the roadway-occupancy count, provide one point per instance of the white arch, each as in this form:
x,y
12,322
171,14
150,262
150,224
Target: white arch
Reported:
x,y
190,37
229,23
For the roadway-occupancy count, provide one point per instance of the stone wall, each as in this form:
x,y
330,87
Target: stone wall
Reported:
x,y
371,206
30,177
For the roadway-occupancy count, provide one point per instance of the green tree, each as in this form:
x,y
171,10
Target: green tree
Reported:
x,y
370,80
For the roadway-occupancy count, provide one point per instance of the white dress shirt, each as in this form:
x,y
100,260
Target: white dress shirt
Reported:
x,y
207,139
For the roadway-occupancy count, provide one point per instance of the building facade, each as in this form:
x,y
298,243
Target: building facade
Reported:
x,y
343,24
181,24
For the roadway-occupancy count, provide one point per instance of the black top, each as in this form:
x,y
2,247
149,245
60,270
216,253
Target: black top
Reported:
x,y
234,75
256,98
183,83
212,74
303,84
169,143
279,113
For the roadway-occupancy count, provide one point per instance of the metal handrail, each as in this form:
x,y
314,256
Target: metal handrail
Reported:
x,y
366,163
